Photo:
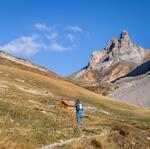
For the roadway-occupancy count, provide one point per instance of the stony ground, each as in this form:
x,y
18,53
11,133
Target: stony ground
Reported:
x,y
134,90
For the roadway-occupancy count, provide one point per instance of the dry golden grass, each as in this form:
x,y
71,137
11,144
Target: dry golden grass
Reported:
x,y
7,143
23,125
66,89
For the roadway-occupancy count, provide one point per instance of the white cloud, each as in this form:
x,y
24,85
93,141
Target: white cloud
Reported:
x,y
71,37
50,40
75,28
25,45
52,36
30,45
40,26
58,47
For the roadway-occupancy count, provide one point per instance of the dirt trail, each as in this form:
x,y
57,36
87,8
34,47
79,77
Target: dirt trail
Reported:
x,y
81,128
64,142
60,143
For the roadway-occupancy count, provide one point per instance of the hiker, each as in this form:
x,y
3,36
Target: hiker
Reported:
x,y
79,111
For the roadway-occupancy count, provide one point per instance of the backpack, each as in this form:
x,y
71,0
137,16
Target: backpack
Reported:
x,y
79,106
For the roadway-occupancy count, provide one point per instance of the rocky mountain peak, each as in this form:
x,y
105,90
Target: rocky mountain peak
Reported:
x,y
116,44
125,39
111,45
120,49
124,35
118,58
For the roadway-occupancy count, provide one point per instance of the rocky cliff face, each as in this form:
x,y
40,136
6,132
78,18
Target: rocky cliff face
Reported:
x,y
118,58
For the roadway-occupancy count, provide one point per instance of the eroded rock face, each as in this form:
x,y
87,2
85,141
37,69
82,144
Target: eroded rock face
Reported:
x,y
118,58
124,40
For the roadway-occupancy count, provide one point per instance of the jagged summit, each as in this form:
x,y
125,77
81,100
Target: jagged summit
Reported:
x,y
121,49
123,41
118,58
124,36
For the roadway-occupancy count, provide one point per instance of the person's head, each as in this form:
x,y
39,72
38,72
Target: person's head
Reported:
x,y
77,101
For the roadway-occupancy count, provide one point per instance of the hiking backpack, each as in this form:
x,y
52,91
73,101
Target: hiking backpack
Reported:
x,y
79,106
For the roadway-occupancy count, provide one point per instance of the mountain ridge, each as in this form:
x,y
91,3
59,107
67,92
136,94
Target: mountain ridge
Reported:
x,y
11,60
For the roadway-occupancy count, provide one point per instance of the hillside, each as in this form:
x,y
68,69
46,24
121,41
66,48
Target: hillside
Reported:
x,y
29,117
9,60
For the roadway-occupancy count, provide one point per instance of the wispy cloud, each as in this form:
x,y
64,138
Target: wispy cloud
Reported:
x,y
74,28
26,45
52,36
71,37
30,45
49,38
40,26
58,47
44,27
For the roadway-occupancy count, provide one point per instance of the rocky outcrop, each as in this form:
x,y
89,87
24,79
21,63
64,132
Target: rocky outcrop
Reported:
x,y
118,58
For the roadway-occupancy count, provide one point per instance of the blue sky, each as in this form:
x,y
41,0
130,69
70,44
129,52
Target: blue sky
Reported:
x,y
61,34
